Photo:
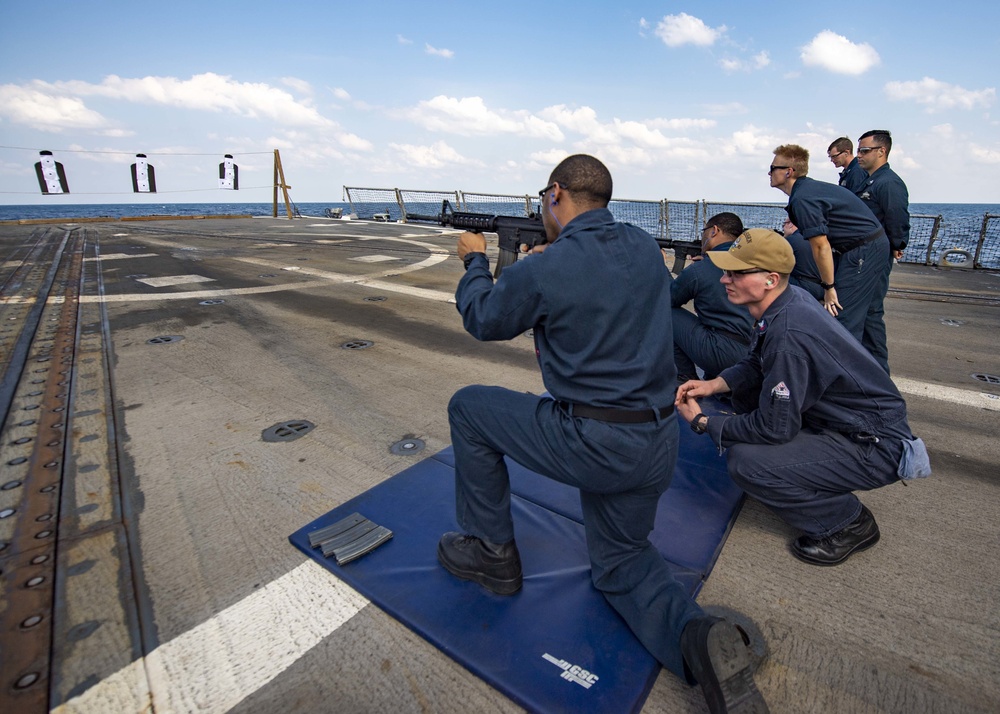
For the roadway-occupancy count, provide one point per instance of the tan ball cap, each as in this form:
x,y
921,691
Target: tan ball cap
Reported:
x,y
756,248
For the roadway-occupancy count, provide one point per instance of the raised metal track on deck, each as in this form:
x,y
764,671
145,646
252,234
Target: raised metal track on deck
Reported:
x,y
64,554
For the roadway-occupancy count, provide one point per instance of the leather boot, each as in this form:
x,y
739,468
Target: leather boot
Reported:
x,y
835,548
497,567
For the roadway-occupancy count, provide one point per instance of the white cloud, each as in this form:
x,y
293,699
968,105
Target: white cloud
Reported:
x,y
299,85
582,121
836,53
761,60
207,92
618,132
758,61
341,94
939,96
354,142
681,124
469,116
683,29
984,155
46,110
436,156
447,54
752,141
403,40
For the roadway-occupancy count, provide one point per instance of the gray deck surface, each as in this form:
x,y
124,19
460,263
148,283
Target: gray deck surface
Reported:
x,y
912,625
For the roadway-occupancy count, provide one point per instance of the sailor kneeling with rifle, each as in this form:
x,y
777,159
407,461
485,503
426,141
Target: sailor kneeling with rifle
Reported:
x,y
598,299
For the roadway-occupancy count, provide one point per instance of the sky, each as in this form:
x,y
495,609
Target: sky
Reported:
x,y
682,100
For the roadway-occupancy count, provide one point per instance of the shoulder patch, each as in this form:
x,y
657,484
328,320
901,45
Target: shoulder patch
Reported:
x,y
780,391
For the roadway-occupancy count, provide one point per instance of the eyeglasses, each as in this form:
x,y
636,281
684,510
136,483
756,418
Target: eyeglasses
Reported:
x,y
833,156
774,168
749,271
541,194
866,149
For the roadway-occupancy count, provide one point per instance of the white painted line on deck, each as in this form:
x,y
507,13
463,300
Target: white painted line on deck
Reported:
x,y
374,258
983,400
120,256
214,666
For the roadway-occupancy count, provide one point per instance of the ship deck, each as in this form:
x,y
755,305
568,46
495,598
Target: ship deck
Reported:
x,y
146,565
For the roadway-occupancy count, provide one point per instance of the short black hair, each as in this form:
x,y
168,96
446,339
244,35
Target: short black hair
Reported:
x,y
728,223
586,178
880,137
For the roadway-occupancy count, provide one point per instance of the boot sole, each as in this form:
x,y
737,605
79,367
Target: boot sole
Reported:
x,y
734,690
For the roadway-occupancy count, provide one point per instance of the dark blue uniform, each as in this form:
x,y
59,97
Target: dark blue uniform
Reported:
x,y
886,195
860,253
817,418
598,300
718,336
805,274
853,177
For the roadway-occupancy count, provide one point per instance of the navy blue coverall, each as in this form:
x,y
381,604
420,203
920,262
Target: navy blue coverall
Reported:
x,y
817,419
718,336
853,177
598,300
805,274
860,253
887,197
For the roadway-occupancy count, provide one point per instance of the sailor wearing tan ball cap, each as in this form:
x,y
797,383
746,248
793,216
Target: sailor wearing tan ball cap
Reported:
x,y
817,418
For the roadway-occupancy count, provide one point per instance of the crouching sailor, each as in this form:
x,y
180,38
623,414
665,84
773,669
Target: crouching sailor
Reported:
x,y
817,418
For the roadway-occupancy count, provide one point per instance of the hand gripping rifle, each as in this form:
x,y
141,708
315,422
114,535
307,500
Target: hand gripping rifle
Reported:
x,y
512,231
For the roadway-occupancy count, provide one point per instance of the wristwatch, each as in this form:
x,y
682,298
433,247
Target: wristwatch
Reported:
x,y
827,286
699,424
469,257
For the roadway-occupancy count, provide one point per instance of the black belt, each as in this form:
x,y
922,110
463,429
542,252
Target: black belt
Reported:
x,y
742,339
858,243
618,416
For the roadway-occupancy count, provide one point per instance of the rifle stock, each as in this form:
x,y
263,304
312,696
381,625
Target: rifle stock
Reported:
x,y
512,231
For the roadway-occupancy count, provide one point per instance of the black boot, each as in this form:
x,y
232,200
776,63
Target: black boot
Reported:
x,y
835,548
496,567
719,660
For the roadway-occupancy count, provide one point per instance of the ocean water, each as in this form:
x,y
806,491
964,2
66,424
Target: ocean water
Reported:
x,y
952,213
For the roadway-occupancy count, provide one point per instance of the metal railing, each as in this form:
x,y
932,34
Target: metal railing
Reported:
x,y
967,243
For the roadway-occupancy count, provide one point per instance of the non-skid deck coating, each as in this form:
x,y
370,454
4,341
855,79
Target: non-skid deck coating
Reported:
x,y
175,588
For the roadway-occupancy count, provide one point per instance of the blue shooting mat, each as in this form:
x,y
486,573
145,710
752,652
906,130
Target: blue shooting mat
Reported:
x,y
556,645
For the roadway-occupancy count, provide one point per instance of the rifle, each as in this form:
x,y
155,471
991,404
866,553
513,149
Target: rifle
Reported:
x,y
512,231
683,249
